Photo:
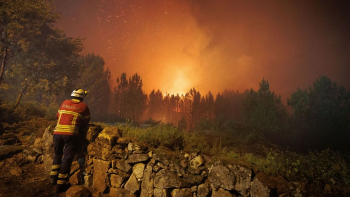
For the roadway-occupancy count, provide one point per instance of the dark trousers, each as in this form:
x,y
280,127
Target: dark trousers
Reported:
x,y
64,145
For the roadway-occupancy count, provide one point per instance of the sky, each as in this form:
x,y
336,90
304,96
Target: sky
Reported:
x,y
213,45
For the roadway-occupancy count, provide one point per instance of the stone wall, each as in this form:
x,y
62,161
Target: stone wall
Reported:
x,y
121,166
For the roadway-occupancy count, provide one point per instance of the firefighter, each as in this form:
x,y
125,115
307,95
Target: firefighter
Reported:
x,y
72,116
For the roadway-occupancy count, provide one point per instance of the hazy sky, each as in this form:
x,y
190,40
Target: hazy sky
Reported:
x,y
214,45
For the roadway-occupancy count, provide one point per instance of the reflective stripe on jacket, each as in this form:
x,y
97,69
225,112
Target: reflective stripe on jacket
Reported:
x,y
72,115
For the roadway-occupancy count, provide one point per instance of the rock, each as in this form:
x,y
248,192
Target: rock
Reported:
x,y
185,192
147,183
244,178
221,176
9,139
167,179
261,186
124,140
8,151
132,184
158,167
2,163
183,163
16,171
73,180
123,165
89,170
93,132
221,193
38,143
197,161
117,192
137,170
108,137
93,149
48,152
30,154
160,192
100,176
203,189
88,179
118,178
133,147
193,179
194,188
78,191
136,158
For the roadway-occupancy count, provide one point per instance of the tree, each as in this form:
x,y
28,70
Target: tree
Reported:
x,y
93,77
155,104
20,23
321,115
264,111
43,58
136,100
120,93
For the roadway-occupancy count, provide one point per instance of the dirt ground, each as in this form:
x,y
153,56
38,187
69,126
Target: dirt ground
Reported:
x,y
33,181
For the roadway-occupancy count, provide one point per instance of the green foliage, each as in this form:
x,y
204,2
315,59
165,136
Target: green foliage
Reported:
x,y
130,98
182,125
320,168
264,111
321,115
94,78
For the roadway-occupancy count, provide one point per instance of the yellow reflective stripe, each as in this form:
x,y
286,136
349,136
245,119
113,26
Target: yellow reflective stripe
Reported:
x,y
59,118
63,176
54,173
55,166
67,126
61,182
71,113
76,100
74,120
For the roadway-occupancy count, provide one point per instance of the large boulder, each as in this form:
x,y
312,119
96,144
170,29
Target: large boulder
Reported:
x,y
161,192
48,151
117,192
117,177
93,132
108,137
243,178
122,165
136,158
137,170
166,179
185,192
100,177
197,161
132,184
221,193
203,189
222,177
262,186
147,182
78,191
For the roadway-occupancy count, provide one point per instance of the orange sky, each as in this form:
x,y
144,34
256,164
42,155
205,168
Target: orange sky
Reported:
x,y
175,45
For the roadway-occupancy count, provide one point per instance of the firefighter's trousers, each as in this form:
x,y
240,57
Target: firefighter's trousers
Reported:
x,y
64,145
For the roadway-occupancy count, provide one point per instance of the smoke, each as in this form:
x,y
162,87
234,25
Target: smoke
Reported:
x,y
216,45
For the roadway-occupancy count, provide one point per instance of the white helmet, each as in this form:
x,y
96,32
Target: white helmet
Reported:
x,y
79,93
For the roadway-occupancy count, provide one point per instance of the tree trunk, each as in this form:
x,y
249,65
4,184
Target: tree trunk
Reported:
x,y
3,64
19,98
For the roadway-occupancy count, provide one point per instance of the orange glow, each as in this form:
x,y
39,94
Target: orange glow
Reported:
x,y
214,45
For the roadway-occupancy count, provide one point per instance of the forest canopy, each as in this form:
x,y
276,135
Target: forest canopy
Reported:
x,y
40,66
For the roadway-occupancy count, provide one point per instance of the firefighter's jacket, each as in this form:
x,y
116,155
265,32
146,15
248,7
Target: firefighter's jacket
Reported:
x,y
72,115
